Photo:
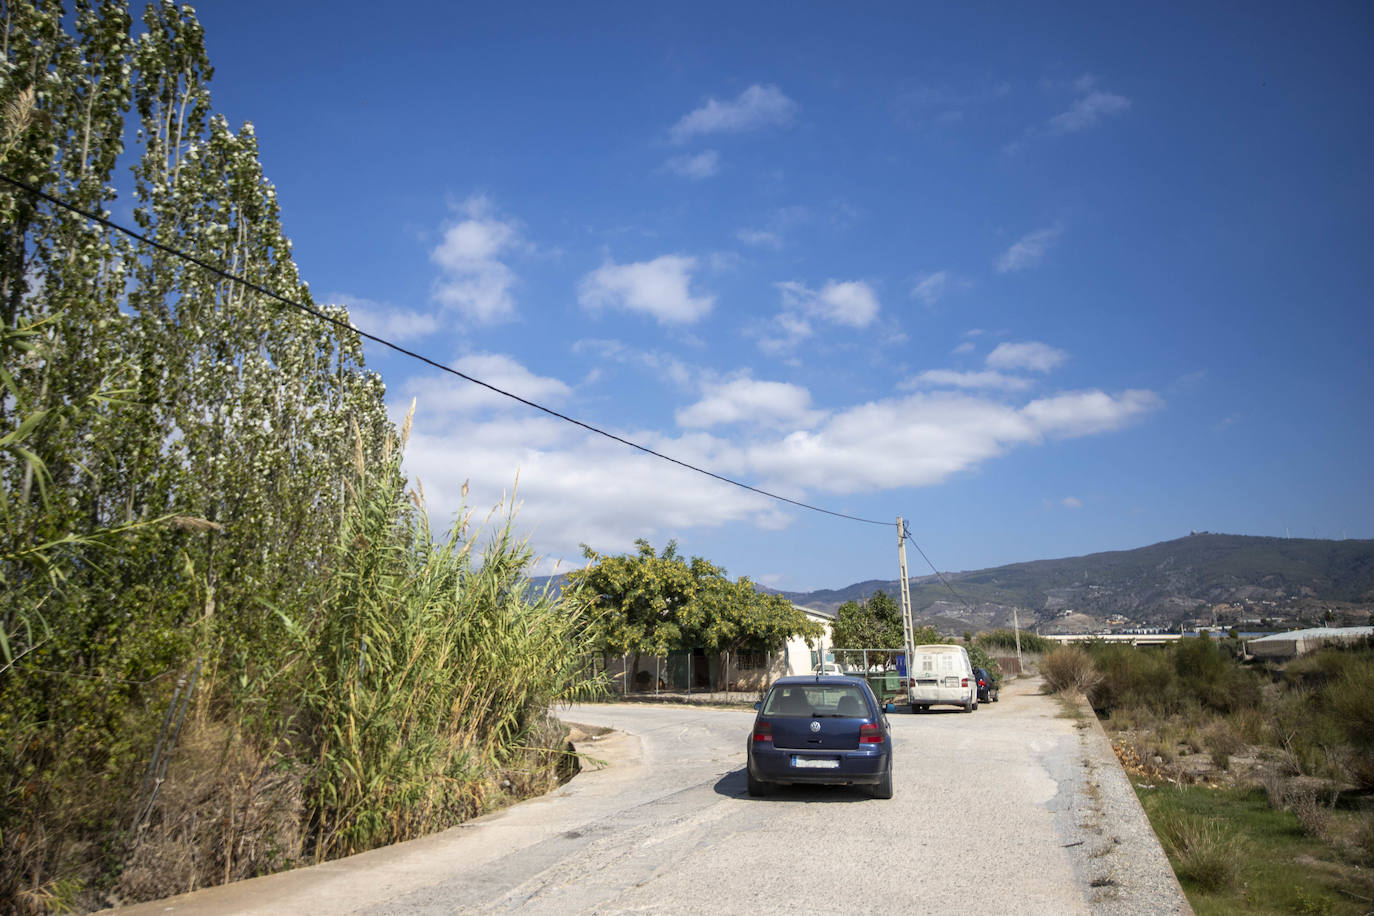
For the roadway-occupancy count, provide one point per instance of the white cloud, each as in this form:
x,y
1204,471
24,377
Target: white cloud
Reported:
x,y
925,438
1089,107
445,395
1028,250
967,346
664,364
385,320
474,281
658,288
1087,111
948,378
756,107
759,238
783,333
851,302
703,165
1031,354
1083,413
746,400
1071,502
931,287
577,487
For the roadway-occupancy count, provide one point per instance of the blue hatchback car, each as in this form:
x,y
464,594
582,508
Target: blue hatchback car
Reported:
x,y
821,729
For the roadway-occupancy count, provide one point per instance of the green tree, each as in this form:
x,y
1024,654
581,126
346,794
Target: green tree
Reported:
x,y
641,603
650,604
139,391
875,623
733,616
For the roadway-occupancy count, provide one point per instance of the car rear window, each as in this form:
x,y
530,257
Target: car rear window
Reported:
x,y
816,700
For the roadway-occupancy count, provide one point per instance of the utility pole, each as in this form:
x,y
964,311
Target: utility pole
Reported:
x,y
1016,628
906,601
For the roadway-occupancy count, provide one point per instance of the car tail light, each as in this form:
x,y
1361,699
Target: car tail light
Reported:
x,y
982,683
763,732
964,682
870,733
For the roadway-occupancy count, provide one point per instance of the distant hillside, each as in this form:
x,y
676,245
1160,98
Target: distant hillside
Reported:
x,y
1158,585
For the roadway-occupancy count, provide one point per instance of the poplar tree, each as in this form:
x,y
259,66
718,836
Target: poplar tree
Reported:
x,y
172,445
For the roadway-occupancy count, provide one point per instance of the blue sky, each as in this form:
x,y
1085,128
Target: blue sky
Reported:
x,y
1044,282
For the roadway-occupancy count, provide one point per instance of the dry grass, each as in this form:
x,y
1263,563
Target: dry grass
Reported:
x,y
224,813
1204,851
1069,669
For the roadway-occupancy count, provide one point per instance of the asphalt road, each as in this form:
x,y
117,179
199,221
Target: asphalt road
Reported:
x,y
1013,809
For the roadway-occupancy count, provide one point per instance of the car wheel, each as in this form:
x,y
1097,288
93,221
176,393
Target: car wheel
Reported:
x,y
757,787
968,706
995,695
883,789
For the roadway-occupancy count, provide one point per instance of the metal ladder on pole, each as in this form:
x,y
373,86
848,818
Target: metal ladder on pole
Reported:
x,y
907,628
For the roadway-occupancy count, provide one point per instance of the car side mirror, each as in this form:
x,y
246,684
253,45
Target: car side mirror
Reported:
x,y
756,705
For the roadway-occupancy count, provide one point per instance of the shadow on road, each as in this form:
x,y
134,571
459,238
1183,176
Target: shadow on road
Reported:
x,y
734,785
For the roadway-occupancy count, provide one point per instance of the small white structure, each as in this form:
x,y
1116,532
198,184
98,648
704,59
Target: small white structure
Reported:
x,y
1300,642
798,656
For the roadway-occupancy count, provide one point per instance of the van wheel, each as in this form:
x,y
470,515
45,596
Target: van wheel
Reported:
x,y
968,706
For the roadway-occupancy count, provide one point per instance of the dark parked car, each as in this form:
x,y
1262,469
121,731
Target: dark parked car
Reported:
x,y
987,686
821,729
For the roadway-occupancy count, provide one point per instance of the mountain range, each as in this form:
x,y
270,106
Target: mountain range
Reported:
x,y
1191,578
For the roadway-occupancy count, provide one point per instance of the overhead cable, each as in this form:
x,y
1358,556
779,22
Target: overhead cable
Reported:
x,y
906,533
220,272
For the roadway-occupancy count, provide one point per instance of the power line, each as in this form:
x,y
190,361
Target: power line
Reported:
x,y
906,533
316,313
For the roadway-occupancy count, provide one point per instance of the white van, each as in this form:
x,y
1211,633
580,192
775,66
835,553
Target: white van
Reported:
x,y
941,675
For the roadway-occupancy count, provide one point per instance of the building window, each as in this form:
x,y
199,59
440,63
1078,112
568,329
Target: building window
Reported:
x,y
752,660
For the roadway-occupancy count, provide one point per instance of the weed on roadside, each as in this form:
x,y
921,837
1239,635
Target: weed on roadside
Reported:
x,y
1276,868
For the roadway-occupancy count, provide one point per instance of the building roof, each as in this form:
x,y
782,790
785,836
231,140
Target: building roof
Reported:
x,y
818,613
1317,633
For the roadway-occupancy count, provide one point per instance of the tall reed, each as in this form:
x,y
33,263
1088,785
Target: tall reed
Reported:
x,y
423,670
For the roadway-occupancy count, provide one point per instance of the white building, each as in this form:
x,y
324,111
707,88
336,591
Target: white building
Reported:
x,y
1300,642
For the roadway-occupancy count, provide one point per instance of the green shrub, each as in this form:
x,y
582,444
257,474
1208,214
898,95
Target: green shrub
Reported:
x,y
1006,640
1134,678
1204,852
1364,841
1323,715
1069,669
981,659
1220,740
1350,700
1209,672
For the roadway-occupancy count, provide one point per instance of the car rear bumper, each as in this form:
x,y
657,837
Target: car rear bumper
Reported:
x,y
860,767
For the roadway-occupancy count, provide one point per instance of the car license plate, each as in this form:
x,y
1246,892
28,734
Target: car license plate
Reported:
x,y
815,763
951,682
